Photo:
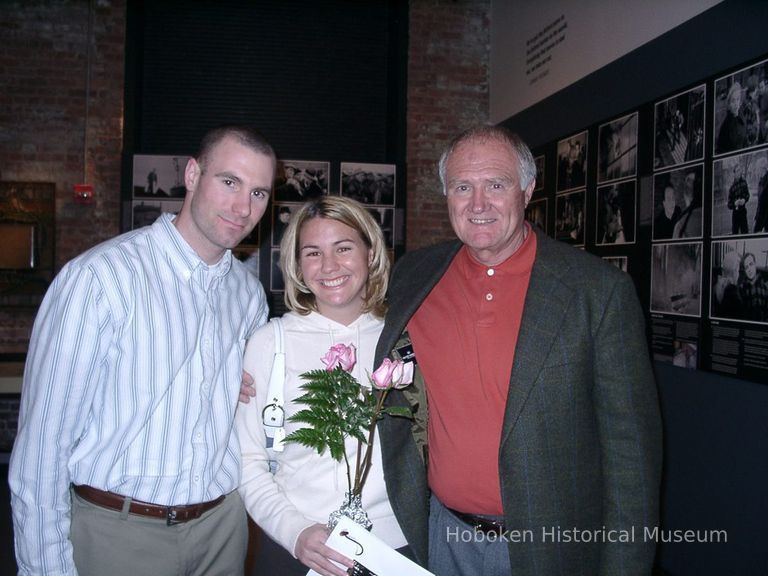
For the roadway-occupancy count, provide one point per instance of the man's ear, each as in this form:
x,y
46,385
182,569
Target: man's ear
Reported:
x,y
529,191
192,175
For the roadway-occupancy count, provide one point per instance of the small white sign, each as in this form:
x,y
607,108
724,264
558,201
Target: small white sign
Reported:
x,y
372,554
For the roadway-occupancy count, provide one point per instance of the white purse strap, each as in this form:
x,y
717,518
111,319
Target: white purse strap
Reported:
x,y
273,415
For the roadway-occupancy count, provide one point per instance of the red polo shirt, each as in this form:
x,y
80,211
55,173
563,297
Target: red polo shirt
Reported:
x,y
464,335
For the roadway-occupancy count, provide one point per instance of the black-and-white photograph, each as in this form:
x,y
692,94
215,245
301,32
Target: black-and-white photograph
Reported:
x,y
276,282
621,262
572,162
281,215
569,217
676,278
145,212
740,194
159,177
540,165
617,149
741,109
685,354
740,280
536,213
300,180
677,203
616,209
679,128
385,217
368,183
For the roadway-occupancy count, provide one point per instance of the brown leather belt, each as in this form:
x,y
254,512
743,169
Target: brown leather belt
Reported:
x,y
480,523
171,514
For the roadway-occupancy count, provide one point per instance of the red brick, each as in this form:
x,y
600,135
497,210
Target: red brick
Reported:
x,y
43,59
447,92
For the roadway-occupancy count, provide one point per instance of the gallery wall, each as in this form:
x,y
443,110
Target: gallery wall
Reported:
x,y
714,424
539,48
322,81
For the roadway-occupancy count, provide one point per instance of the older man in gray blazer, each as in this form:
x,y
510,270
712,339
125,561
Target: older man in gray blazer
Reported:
x,y
535,409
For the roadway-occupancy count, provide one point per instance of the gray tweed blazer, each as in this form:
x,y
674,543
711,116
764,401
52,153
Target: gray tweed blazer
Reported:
x,y
580,448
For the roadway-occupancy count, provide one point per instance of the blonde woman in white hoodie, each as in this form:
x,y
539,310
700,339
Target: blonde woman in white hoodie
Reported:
x,y
336,268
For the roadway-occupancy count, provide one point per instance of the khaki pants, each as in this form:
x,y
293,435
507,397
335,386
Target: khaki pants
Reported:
x,y
110,543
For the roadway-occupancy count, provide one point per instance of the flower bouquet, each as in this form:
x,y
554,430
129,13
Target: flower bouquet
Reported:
x,y
339,407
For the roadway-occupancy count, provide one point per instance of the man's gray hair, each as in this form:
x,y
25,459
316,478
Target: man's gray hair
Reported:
x,y
489,132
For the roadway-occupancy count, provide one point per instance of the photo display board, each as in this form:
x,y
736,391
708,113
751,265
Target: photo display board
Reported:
x,y
675,193
158,186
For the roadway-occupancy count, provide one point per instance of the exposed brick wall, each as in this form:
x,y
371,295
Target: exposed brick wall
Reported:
x,y
43,70
43,65
448,67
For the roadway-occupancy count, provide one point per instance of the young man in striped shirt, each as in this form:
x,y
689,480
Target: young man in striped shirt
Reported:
x,y
125,461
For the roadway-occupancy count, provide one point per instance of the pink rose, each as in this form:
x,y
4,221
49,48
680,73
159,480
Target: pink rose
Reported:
x,y
393,373
382,376
340,355
403,374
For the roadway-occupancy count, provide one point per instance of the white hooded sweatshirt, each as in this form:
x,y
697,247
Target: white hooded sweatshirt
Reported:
x,y
307,487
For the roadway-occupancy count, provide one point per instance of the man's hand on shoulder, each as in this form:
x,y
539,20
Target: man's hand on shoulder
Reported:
x,y
247,390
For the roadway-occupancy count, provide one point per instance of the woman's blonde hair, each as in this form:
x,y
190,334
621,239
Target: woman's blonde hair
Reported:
x,y
298,296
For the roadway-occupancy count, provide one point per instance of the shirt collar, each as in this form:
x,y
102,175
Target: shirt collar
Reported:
x,y
518,263
182,256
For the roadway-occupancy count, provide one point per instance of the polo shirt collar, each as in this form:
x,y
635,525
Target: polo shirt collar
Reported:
x,y
518,263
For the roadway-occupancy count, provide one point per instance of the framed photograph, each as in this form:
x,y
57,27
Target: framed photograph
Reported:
x,y
540,165
386,220
145,212
300,180
677,203
572,162
569,217
740,194
28,238
679,128
617,149
740,280
369,183
676,278
685,354
739,97
281,215
536,213
276,282
619,261
616,213
159,177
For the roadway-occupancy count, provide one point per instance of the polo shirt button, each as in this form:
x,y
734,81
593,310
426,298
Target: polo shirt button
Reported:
x,y
489,296
490,271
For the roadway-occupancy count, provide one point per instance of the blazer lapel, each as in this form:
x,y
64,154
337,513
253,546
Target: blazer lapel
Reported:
x,y
546,302
412,282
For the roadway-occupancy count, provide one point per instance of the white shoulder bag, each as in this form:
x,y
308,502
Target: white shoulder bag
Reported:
x,y
273,415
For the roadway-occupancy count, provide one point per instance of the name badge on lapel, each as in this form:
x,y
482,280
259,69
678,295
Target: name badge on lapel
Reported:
x,y
406,353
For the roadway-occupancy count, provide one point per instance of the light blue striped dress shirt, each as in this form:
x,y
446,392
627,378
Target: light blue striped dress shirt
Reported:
x,y
131,385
